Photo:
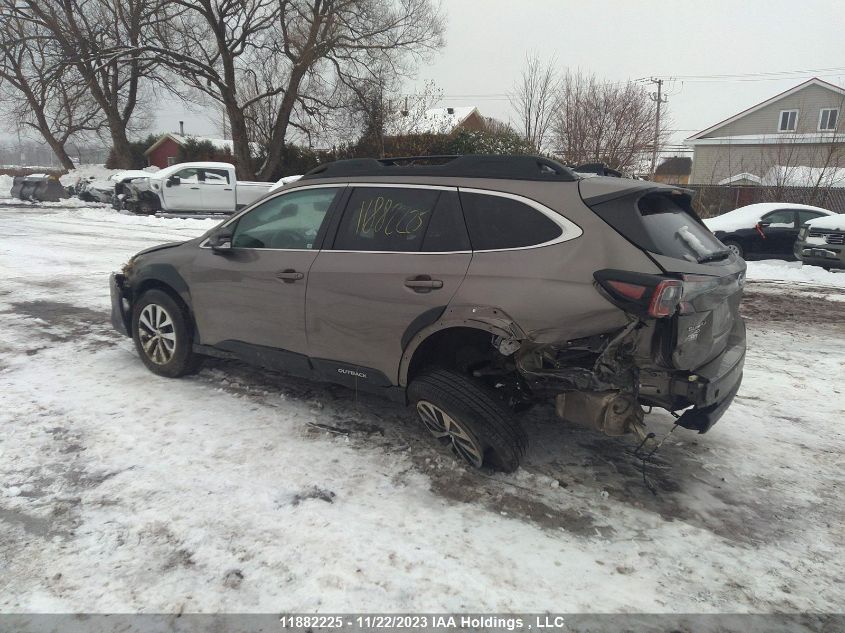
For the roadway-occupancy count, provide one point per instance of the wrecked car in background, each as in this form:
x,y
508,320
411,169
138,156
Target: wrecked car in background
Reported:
x,y
470,289
38,188
106,190
201,187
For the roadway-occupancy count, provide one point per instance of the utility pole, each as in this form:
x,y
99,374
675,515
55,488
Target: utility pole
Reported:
x,y
660,99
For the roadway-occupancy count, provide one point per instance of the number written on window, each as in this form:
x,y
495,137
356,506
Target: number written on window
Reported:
x,y
386,219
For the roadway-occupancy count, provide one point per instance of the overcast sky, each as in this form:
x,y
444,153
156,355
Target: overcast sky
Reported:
x,y
617,40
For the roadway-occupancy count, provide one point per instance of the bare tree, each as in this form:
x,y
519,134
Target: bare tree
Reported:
x,y
40,94
534,99
288,62
86,34
613,123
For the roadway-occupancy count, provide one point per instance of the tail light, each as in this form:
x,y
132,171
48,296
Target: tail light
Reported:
x,y
646,295
666,298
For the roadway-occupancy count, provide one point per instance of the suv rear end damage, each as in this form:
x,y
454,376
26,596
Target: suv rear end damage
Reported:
x,y
684,346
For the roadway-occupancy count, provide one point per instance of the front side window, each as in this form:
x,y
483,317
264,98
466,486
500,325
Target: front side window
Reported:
x,y
497,222
289,221
393,219
782,219
188,176
787,120
828,118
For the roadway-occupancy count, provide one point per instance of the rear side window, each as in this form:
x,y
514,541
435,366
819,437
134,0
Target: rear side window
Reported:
x,y
447,230
806,216
497,222
386,219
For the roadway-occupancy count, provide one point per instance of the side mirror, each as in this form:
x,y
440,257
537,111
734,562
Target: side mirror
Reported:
x,y
173,181
221,242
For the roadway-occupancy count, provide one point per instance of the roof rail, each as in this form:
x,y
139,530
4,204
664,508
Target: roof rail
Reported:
x,y
512,167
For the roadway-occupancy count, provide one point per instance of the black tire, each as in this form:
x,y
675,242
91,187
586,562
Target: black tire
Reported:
x,y
146,207
160,357
736,247
476,409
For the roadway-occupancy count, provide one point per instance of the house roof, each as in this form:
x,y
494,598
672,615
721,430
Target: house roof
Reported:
x,y
432,121
675,166
218,143
815,81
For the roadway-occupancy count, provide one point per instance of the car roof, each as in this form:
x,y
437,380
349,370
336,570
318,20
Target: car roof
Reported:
x,y
834,222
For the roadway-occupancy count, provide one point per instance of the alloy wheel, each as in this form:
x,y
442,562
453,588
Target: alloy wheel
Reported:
x,y
448,430
157,334
733,248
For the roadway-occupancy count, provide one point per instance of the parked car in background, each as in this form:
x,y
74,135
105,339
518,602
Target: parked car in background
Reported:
x,y
200,187
470,290
821,242
766,230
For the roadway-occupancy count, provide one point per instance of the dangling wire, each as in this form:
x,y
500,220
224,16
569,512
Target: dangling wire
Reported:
x,y
646,458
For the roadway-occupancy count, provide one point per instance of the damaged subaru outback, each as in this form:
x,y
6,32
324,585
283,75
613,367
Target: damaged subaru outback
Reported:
x,y
470,289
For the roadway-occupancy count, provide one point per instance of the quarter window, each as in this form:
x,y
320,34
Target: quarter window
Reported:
x,y
391,219
497,222
828,118
292,220
786,122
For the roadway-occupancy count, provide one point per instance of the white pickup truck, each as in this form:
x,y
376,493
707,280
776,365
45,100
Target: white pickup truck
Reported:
x,y
201,187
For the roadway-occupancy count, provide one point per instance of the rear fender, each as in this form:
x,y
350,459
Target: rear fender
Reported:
x,y
485,318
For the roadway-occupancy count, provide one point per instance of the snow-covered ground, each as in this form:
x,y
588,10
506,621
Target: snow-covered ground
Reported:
x,y
239,490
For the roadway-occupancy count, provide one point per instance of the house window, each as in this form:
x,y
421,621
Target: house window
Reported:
x,y
171,160
786,123
828,118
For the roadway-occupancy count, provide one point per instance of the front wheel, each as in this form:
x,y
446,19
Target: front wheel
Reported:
x,y
469,418
735,248
162,335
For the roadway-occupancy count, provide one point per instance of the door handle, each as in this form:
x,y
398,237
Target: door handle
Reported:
x,y
423,283
289,276
194,187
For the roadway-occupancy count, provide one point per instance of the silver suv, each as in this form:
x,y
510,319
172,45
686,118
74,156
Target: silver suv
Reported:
x,y
469,289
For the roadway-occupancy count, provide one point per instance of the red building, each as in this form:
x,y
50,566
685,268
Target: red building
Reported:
x,y
165,151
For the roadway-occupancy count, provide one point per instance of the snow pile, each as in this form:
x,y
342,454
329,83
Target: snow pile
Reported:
x,y
5,186
793,272
96,172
